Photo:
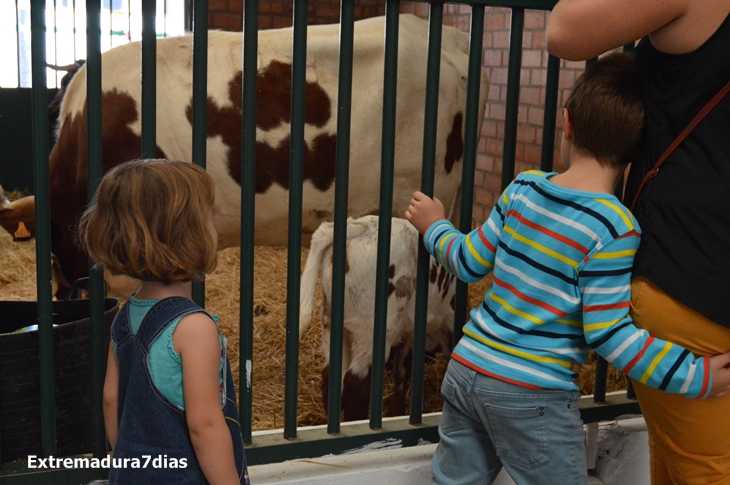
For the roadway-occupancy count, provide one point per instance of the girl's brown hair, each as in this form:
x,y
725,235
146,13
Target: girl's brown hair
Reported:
x,y
149,220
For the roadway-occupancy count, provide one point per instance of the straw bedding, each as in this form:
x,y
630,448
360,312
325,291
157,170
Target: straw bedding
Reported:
x,y
17,282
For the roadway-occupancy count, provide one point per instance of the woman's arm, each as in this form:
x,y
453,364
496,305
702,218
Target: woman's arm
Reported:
x,y
582,29
196,340
111,395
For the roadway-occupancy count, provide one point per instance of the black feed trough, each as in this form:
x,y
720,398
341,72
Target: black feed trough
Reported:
x,y
20,412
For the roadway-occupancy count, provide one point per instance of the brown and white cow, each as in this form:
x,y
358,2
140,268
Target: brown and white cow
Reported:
x,y
121,125
359,308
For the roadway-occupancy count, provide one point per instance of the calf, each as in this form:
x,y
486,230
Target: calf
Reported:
x,y
362,246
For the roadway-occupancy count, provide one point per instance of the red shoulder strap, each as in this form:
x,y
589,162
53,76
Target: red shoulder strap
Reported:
x,y
677,141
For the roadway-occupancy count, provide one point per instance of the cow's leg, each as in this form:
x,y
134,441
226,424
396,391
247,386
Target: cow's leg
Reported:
x,y
401,357
356,396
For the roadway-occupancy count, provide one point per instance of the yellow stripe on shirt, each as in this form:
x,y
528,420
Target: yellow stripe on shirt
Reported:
x,y
540,247
474,253
655,362
518,353
628,221
514,310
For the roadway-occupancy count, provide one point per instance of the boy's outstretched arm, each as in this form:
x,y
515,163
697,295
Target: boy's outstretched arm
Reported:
x,y
196,340
605,286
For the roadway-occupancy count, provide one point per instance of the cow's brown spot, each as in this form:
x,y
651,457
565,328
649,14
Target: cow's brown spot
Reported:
x,y
433,273
442,275
404,287
273,109
321,214
391,288
454,143
452,302
391,271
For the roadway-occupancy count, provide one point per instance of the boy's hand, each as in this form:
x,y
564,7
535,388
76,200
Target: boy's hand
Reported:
x,y
720,365
424,211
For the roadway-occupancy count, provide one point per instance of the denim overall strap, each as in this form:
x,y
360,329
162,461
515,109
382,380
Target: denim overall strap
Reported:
x,y
152,430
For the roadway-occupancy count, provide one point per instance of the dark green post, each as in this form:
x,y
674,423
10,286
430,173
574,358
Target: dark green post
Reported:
x,y
551,107
96,275
43,226
433,71
513,96
200,98
387,161
471,140
149,79
296,178
342,173
248,210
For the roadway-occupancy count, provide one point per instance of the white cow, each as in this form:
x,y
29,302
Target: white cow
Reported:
x,y
121,125
357,351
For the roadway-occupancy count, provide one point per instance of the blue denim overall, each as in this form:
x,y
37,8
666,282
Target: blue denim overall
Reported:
x,y
149,424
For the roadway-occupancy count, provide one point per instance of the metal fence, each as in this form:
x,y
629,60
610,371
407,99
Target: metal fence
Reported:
x,y
292,443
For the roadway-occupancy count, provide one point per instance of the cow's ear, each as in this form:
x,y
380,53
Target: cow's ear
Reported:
x,y
19,224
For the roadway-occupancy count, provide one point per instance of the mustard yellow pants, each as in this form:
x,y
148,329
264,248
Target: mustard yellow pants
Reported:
x,y
689,439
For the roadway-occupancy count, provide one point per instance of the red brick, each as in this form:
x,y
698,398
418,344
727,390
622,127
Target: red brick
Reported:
x,y
484,163
498,75
539,40
493,182
494,147
532,154
526,40
494,91
500,129
496,111
531,58
535,116
489,127
492,57
534,20
487,40
226,21
478,178
217,6
524,77
481,195
566,78
522,114
519,151
494,21
266,22
500,40
281,22
235,6
530,95
526,133
538,77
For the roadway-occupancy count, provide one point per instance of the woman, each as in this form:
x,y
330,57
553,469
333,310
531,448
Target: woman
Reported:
x,y
680,289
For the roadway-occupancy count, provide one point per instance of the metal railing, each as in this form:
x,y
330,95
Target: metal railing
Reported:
x,y
294,443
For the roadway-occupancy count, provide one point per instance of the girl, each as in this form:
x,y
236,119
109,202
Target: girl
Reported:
x,y
169,400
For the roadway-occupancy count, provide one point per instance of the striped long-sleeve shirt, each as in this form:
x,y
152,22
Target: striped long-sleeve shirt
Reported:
x,y
562,262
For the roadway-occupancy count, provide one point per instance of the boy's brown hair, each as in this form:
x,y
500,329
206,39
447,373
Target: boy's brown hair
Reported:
x,y
606,109
149,220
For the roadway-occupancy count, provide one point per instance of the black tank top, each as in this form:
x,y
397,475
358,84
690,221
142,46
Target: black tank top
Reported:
x,y
685,211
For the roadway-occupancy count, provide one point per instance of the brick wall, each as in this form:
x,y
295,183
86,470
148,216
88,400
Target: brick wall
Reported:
x,y
274,14
227,14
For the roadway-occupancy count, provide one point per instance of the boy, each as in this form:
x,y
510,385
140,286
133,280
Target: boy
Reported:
x,y
561,247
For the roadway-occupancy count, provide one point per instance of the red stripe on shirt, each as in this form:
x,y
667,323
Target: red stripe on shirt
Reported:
x,y
465,362
630,234
485,241
633,362
600,308
448,252
529,299
550,233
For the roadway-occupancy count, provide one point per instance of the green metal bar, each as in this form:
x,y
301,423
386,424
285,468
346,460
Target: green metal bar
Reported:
x,y
96,275
43,226
149,79
248,210
471,140
296,178
551,108
200,103
599,385
387,161
433,71
342,174
513,96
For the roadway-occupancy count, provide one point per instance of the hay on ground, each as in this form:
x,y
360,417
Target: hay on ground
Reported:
x,y
17,282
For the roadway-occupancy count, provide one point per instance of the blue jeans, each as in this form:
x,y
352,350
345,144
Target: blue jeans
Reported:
x,y
487,424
